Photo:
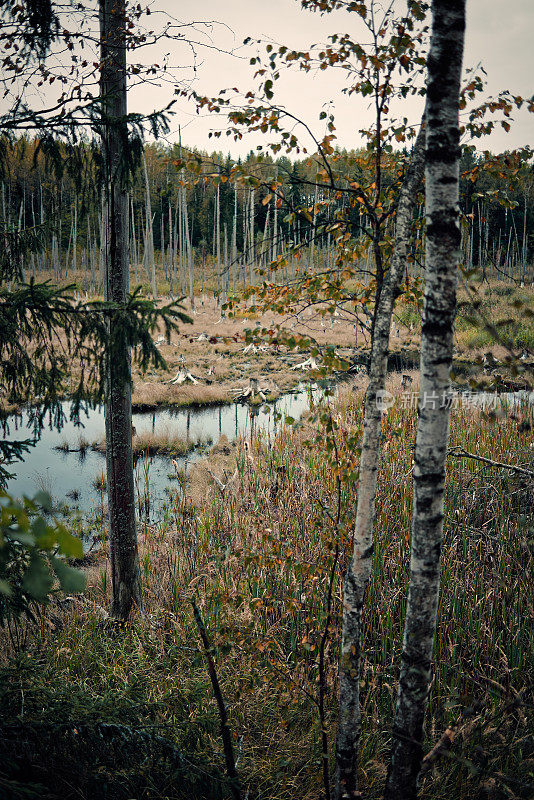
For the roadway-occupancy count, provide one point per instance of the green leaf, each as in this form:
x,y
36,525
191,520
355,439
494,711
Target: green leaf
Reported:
x,y
69,545
44,500
71,579
17,535
44,535
37,580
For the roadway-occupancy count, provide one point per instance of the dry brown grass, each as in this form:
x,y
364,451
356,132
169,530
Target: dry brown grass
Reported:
x,y
162,443
222,367
266,539
150,395
258,558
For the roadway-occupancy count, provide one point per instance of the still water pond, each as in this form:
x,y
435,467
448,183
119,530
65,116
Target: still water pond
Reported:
x,y
76,479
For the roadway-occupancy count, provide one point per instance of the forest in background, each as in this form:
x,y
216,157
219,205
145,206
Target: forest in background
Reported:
x,y
335,610
218,232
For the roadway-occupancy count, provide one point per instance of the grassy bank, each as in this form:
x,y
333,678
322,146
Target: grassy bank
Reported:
x,y
164,443
258,556
214,348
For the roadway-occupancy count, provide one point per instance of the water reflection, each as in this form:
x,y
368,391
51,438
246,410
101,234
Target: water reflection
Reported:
x,y
64,464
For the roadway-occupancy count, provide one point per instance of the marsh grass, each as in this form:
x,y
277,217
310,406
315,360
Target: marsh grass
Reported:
x,y
509,307
148,396
258,559
164,443
99,483
80,447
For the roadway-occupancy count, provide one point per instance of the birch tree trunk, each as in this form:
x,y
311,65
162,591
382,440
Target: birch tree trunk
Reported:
x,y
149,240
75,240
359,569
234,243
189,253
442,256
251,240
171,253
126,580
220,298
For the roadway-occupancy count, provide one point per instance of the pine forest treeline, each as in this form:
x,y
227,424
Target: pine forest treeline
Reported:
x,y
214,232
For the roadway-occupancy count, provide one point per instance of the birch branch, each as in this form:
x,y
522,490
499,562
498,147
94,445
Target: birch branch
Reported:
x,y
459,452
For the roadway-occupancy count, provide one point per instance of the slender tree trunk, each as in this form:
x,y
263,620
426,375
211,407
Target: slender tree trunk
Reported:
x,y
226,267
134,252
234,243
524,250
220,284
246,199
149,240
189,255
311,249
126,580
442,257
75,240
359,569
91,257
102,230
171,253
251,240
162,244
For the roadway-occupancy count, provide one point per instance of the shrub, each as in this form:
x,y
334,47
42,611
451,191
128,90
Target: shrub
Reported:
x,y
32,555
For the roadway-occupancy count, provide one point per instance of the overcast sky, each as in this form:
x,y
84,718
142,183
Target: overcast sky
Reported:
x,y
499,35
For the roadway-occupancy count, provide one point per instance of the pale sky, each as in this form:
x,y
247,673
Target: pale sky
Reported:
x,y
498,35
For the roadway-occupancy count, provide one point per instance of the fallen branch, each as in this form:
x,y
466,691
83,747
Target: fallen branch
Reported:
x,y
182,377
310,363
225,728
218,483
87,605
443,745
459,452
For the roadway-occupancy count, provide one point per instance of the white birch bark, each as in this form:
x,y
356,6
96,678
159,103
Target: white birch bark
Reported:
x,y
189,253
175,251
75,240
245,238
524,248
264,252
171,253
275,228
149,237
226,265
312,240
181,251
234,243
220,280
359,569
251,239
442,257
162,245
